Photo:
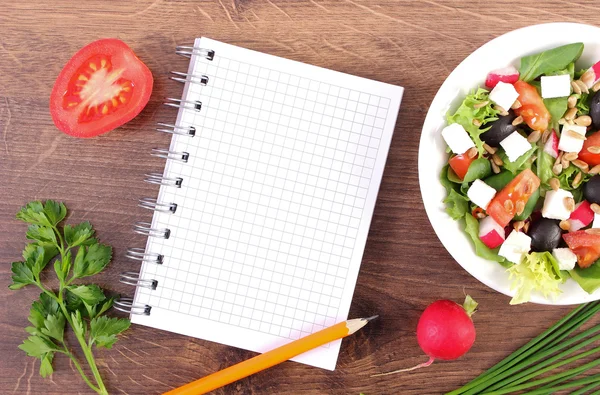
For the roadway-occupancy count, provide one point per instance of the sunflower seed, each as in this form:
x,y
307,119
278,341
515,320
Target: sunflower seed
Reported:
x,y
516,104
472,152
593,149
545,136
576,88
480,215
509,206
594,170
575,135
557,169
572,101
489,149
518,225
497,160
534,136
595,208
588,78
582,86
577,180
500,110
581,164
495,167
569,203
526,227
596,87
570,156
562,121
520,207
593,231
570,115
554,183
565,224
517,121
476,122
481,104
564,163
584,120
559,157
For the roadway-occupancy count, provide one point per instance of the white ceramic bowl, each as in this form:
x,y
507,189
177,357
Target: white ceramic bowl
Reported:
x,y
469,74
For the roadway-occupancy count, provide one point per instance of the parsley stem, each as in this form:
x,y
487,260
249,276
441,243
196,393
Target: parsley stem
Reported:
x,y
78,367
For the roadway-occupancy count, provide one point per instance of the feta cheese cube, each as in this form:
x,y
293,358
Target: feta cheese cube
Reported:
x,y
554,205
569,143
481,193
516,245
556,86
504,95
596,223
457,138
515,145
565,257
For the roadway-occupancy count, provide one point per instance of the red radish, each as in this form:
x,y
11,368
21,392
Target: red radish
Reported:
x,y
509,74
491,233
551,146
445,331
582,216
594,75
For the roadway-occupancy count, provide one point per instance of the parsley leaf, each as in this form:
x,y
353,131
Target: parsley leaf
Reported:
x,y
33,213
98,309
42,234
91,260
42,308
55,211
46,365
54,326
78,234
22,275
104,330
90,294
78,326
37,346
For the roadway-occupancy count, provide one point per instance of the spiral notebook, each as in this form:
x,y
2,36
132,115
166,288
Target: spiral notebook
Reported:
x,y
265,200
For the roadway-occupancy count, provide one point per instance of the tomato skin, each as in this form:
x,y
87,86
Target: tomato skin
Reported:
x,y
585,245
460,164
72,121
519,189
532,108
585,155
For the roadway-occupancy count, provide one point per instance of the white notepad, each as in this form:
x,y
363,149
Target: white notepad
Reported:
x,y
275,202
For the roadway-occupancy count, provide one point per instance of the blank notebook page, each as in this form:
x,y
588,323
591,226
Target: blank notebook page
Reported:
x,y
275,205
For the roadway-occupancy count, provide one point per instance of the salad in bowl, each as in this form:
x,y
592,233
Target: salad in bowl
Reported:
x,y
521,171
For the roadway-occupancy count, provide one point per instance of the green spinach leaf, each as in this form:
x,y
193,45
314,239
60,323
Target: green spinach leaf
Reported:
x,y
533,66
472,229
478,169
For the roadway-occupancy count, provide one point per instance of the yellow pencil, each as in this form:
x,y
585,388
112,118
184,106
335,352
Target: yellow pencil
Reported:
x,y
271,358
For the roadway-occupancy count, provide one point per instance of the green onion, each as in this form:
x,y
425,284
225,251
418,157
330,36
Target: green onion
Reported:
x,y
541,355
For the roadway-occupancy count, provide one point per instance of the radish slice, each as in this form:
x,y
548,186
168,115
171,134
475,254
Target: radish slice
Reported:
x,y
551,146
509,74
591,76
491,233
582,216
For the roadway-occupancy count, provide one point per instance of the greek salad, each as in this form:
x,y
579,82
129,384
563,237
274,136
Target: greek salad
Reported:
x,y
523,171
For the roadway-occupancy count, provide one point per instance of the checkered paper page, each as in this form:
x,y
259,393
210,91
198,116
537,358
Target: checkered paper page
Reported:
x,y
277,197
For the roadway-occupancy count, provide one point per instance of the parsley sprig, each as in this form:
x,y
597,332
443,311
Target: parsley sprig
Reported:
x,y
78,254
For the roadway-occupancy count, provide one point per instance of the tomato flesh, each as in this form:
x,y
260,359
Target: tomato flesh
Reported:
x,y
103,86
517,192
460,164
585,155
532,108
585,245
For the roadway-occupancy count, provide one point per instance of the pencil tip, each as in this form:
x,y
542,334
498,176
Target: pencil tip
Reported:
x,y
371,318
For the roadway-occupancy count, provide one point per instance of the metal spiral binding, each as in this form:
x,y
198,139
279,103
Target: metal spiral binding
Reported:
x,y
185,104
174,129
159,179
140,254
191,78
155,205
172,155
188,51
133,278
145,228
126,305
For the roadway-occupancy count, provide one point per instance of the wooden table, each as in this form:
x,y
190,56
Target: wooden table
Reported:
x,y
408,43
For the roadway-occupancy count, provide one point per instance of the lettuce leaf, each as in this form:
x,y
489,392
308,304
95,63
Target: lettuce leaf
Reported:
x,y
588,278
544,163
466,113
472,229
538,271
457,204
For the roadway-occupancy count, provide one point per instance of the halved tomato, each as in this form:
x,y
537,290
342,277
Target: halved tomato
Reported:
x,y
532,108
460,164
588,157
585,244
103,86
513,197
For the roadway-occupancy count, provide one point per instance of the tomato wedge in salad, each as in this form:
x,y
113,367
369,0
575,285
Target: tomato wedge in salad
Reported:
x,y
532,108
103,86
513,197
584,244
460,164
588,157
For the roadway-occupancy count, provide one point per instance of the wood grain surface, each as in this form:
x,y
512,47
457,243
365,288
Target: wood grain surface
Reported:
x,y
414,44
